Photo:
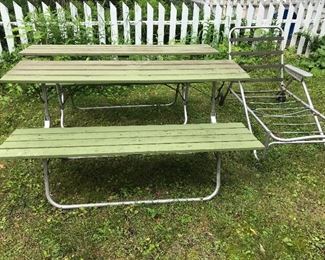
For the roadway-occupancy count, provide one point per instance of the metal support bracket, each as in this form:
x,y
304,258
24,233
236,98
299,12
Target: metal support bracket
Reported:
x,y
130,202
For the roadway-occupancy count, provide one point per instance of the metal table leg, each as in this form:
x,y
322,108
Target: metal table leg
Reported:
x,y
130,202
61,97
213,103
45,99
184,96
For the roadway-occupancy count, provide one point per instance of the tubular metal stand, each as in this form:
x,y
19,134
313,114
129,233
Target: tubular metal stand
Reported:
x,y
183,94
129,202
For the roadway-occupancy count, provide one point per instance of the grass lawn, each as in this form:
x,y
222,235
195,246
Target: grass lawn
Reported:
x,y
265,210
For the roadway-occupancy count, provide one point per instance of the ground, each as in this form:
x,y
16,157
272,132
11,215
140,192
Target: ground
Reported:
x,y
268,209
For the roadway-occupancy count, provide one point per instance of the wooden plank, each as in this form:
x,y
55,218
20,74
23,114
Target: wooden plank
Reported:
x,y
161,24
130,128
7,27
195,23
217,22
138,23
260,14
228,18
91,50
114,27
315,24
184,23
101,23
61,20
122,79
74,19
149,24
176,133
172,24
88,21
206,19
32,13
307,22
239,15
270,14
127,141
20,23
298,23
128,150
288,23
250,15
126,24
279,18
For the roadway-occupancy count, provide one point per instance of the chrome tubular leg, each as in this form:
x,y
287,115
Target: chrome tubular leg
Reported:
x,y
184,95
61,98
213,103
319,127
130,202
45,99
249,124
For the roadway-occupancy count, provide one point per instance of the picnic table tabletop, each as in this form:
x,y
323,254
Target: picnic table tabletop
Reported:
x,y
123,72
119,50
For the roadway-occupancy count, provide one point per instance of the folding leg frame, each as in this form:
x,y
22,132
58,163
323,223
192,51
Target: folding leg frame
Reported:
x,y
130,202
183,94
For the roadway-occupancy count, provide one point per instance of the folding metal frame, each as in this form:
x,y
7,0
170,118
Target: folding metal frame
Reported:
x,y
130,202
279,108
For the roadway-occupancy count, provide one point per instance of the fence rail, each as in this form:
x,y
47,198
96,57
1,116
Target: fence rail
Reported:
x,y
149,25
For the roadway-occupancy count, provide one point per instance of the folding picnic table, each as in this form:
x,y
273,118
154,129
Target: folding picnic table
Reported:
x,y
59,73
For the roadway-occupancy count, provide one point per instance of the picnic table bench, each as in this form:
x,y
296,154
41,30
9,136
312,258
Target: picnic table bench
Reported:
x,y
89,142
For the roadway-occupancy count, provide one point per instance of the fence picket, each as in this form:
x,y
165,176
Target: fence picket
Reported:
x,y
101,23
250,14
161,24
126,23
269,16
260,14
307,20
20,23
280,14
172,25
239,14
114,26
149,24
225,14
299,19
228,18
315,24
288,23
7,27
88,21
138,24
61,20
195,23
184,23
74,18
32,13
206,19
217,19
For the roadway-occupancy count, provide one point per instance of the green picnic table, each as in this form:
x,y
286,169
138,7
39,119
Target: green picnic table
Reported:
x,y
91,142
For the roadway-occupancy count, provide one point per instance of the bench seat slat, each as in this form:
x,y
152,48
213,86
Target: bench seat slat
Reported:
x,y
127,141
132,128
120,140
127,134
128,150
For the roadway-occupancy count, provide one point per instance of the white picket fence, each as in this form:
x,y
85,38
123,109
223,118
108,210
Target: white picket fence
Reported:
x,y
184,23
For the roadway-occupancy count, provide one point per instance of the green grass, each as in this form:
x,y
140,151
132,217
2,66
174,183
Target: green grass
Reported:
x,y
265,210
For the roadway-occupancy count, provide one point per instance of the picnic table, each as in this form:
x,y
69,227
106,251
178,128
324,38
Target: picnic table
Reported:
x,y
64,73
